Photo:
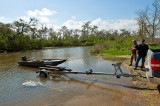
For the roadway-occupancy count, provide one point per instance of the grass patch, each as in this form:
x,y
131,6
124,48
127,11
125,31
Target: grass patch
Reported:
x,y
117,47
116,52
154,47
114,58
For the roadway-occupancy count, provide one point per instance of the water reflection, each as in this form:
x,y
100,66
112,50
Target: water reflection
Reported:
x,y
66,78
12,76
32,84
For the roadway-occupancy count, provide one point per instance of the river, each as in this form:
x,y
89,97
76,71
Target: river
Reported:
x,y
22,86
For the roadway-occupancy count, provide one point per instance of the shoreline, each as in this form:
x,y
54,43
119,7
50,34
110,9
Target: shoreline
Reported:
x,y
41,49
147,90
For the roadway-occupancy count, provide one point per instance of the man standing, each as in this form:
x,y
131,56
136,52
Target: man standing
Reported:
x,y
141,52
133,50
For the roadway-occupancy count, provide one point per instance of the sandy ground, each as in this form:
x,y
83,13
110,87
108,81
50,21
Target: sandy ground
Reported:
x,y
147,89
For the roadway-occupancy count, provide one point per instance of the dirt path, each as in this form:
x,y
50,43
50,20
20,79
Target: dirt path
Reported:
x,y
146,89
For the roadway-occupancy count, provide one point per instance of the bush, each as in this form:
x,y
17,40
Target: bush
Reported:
x,y
89,43
98,47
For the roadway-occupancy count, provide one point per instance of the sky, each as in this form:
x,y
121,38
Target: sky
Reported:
x,y
106,14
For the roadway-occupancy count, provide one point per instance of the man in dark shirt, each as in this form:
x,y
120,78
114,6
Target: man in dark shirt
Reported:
x,y
141,51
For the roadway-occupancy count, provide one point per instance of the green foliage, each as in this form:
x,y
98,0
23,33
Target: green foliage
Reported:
x,y
114,58
3,42
22,36
118,46
116,52
154,46
88,43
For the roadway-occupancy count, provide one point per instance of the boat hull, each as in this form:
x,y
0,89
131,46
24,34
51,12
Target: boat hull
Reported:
x,y
32,63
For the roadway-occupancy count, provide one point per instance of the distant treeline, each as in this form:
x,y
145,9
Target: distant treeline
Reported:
x,y
22,35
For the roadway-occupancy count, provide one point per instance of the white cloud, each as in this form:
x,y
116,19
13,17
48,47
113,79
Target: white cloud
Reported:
x,y
2,18
102,24
42,15
5,19
44,19
105,24
73,24
124,24
70,24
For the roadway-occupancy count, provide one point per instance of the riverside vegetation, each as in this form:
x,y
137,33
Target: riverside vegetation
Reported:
x,y
114,49
21,35
148,20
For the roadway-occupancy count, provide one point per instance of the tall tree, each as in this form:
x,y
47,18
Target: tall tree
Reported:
x,y
42,32
76,33
32,24
65,32
52,34
124,33
85,30
20,26
141,23
149,19
94,30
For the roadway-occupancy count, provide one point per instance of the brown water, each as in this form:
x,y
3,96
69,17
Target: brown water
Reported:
x,y
22,85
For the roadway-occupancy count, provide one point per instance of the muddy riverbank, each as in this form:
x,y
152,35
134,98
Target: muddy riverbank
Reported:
x,y
147,90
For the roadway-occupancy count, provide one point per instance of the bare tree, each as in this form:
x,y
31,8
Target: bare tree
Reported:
x,y
94,30
32,24
149,20
43,31
65,32
76,33
141,23
85,30
20,26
